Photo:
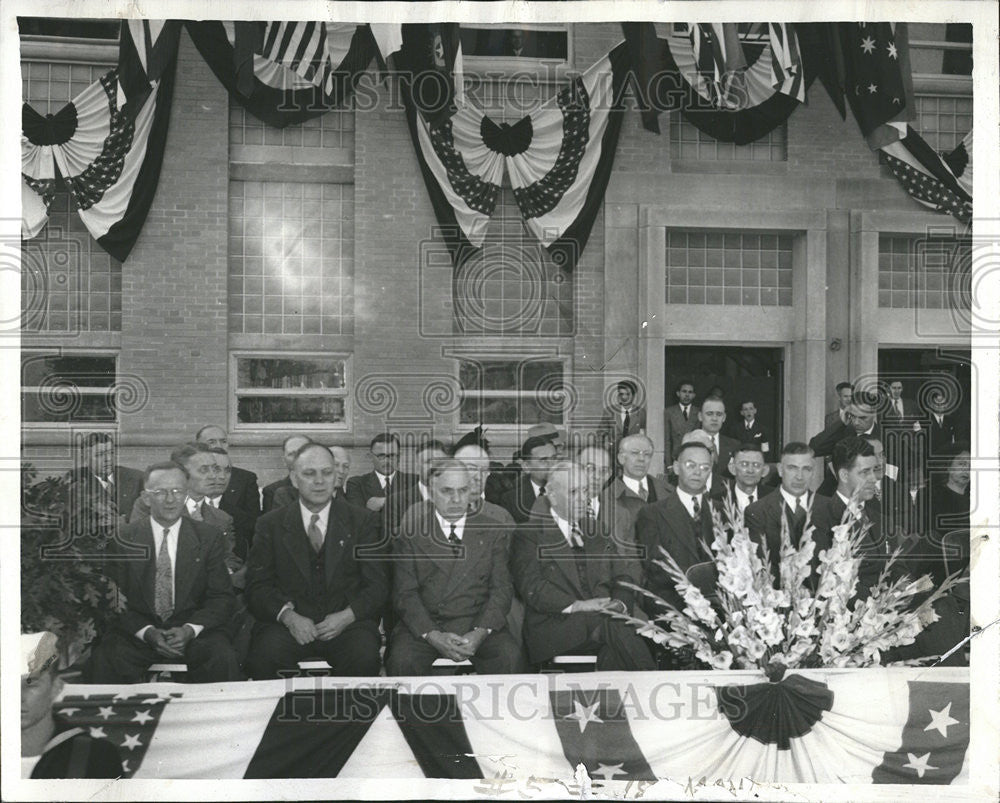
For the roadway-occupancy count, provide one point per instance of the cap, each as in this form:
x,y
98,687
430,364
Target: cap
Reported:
x,y
38,651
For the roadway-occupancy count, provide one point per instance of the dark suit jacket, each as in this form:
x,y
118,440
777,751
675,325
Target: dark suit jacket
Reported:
x,y
402,494
281,560
727,448
675,427
943,435
621,495
611,422
728,491
86,490
831,418
756,434
667,523
269,490
520,499
873,547
203,593
545,573
910,410
763,520
436,590
241,500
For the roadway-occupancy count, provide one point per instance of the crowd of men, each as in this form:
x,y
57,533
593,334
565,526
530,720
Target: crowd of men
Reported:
x,y
506,567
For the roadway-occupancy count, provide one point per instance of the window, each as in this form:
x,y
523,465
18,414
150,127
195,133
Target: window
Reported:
x,y
291,258
334,129
278,389
512,392
68,388
515,45
690,143
919,272
944,120
940,49
733,268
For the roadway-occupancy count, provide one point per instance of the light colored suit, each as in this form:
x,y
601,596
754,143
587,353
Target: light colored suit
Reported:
x,y
675,427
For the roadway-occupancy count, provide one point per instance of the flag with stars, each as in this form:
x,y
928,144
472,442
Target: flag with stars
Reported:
x,y
877,78
859,726
926,176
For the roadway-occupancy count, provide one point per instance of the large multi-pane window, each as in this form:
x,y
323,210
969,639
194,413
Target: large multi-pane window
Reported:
x,y
512,392
918,272
279,388
68,388
732,267
690,143
335,129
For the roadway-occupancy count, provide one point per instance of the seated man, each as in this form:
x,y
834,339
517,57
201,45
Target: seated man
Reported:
x,y
794,501
452,586
569,579
179,598
240,497
289,447
635,487
748,469
50,746
287,495
680,523
537,454
384,489
476,460
314,593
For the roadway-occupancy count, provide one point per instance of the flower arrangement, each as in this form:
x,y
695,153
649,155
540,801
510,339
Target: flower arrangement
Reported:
x,y
811,617
63,587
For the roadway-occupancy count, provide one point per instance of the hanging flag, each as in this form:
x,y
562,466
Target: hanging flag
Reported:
x,y
430,57
308,69
926,176
732,92
105,148
959,161
879,725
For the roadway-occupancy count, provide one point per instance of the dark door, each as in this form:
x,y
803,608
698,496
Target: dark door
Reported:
x,y
741,373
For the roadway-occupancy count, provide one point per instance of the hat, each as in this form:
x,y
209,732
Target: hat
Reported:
x,y
698,436
546,430
38,651
474,438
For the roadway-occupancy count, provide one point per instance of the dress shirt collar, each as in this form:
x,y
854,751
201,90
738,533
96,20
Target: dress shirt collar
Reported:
x,y
688,500
425,492
307,514
214,500
193,505
564,526
535,487
446,525
635,485
749,424
790,498
384,478
742,498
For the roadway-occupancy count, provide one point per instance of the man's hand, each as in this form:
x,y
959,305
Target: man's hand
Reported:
x,y
158,640
303,629
375,503
333,624
447,644
473,639
178,637
594,605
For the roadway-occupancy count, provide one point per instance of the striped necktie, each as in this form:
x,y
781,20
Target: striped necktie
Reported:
x,y
163,589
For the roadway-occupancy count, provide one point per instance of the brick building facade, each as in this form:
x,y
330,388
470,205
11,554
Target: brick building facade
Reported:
x,y
798,256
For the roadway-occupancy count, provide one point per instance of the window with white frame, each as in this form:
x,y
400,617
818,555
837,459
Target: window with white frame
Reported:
x,y
512,392
515,46
59,388
275,389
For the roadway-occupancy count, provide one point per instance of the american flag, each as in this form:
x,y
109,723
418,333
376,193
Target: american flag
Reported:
x,y
926,176
315,51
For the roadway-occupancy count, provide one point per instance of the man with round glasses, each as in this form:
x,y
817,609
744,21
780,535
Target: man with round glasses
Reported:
x,y
748,469
179,598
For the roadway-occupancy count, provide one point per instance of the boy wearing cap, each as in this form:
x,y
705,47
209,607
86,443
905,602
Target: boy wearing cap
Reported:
x,y
50,746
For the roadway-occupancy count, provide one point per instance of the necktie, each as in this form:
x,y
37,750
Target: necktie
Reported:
x,y
314,533
388,485
195,512
643,491
576,537
163,590
110,480
685,411
899,407
453,539
695,507
205,505
579,557
715,448
749,426
591,513
751,497
625,423
799,514
939,419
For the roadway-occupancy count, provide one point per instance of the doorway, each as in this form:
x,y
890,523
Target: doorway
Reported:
x,y
741,373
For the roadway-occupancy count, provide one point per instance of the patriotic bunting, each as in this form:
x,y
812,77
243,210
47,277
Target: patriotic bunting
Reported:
x,y
107,144
815,726
558,157
926,176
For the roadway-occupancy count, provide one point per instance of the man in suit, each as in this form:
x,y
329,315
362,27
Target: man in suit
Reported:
x,y
860,420
856,464
748,469
679,419
748,429
681,523
845,391
712,416
315,581
624,417
206,480
537,455
241,497
179,598
569,574
385,489
452,587
286,496
635,487
944,429
476,460
898,407
289,447
602,506
794,501
715,483
98,490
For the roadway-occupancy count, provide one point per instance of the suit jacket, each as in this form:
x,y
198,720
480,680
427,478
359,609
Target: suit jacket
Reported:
x,y
873,547
823,443
520,499
281,562
402,494
203,593
611,422
728,491
910,410
667,523
87,492
436,590
545,573
942,436
675,427
241,500
756,434
268,492
621,495
832,417
763,520
214,517
727,448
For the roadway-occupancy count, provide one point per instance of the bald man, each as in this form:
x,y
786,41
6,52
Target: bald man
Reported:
x,y
289,447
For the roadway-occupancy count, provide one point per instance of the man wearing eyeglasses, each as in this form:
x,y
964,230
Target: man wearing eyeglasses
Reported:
x,y
748,469
636,487
384,482
538,453
179,598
